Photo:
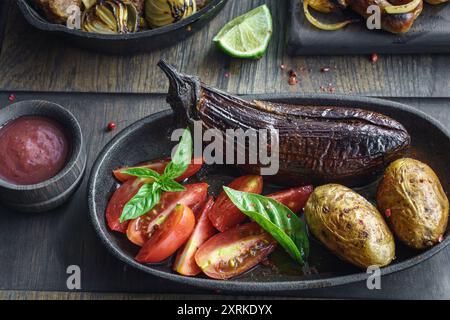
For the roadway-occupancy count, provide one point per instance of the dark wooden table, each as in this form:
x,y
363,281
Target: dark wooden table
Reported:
x,y
35,250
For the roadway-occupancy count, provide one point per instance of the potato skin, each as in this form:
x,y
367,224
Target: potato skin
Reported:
x,y
55,10
417,203
350,226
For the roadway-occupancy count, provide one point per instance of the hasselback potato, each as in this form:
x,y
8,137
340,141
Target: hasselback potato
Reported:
x,y
111,17
317,144
159,13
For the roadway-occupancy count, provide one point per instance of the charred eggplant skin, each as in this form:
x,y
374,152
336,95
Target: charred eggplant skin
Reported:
x,y
317,144
349,226
415,202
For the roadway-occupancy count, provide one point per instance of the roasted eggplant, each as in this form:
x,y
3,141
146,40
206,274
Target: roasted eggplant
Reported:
x,y
317,144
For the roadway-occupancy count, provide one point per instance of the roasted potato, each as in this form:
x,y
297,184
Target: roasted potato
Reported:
x,y
412,198
55,10
350,226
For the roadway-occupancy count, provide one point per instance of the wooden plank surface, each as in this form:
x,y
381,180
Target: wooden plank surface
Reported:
x,y
32,61
54,295
52,241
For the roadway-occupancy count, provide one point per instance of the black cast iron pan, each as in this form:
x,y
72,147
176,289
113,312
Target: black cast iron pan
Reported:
x,y
125,43
149,138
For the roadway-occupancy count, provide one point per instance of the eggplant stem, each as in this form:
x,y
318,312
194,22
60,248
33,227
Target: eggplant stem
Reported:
x,y
184,91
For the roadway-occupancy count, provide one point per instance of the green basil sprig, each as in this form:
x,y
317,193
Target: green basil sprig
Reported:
x,y
149,194
275,218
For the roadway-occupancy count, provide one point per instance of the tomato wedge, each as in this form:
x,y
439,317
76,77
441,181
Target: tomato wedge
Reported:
x,y
185,261
295,198
235,251
224,214
140,229
174,232
159,166
118,200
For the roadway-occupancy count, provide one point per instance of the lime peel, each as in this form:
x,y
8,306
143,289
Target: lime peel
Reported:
x,y
247,36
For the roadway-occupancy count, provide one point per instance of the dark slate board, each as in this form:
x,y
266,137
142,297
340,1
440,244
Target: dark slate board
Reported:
x,y
430,34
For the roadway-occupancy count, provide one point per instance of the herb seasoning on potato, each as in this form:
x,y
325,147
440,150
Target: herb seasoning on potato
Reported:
x,y
350,226
418,206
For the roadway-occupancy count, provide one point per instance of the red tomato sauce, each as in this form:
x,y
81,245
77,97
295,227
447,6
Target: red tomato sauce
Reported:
x,y
33,149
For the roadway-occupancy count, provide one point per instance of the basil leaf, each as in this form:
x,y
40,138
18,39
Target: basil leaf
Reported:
x,y
145,173
171,185
276,219
149,194
145,199
182,157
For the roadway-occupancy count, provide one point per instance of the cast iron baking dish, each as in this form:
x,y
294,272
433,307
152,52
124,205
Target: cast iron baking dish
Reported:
x,y
125,43
149,139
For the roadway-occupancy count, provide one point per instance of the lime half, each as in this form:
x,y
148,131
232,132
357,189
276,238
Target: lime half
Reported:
x,y
247,36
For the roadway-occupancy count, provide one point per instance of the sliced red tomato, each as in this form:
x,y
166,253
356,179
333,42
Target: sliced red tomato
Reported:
x,y
174,232
118,200
185,261
295,198
159,166
235,251
224,214
140,229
